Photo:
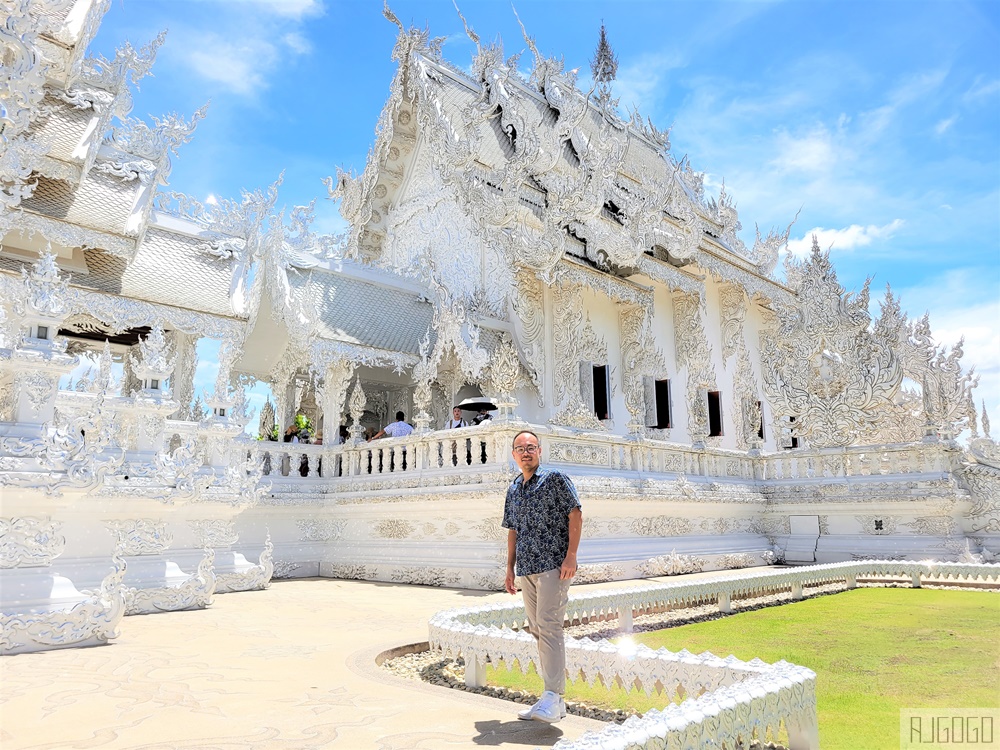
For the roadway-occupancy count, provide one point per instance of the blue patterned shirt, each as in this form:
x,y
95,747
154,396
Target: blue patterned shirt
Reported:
x,y
539,512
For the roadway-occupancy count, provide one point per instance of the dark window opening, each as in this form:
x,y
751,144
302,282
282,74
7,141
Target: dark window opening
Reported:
x,y
512,134
602,392
760,427
571,155
613,212
662,396
154,383
714,414
793,441
43,332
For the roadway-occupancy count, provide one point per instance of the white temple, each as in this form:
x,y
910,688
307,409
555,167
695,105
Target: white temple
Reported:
x,y
511,238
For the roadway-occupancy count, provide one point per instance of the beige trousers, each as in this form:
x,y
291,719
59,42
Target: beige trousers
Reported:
x,y
545,598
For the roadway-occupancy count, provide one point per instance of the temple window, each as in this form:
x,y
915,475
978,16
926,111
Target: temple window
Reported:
x,y
760,427
595,388
657,393
714,414
602,392
43,332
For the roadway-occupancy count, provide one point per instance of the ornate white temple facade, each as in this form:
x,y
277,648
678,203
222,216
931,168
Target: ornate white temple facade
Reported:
x,y
510,237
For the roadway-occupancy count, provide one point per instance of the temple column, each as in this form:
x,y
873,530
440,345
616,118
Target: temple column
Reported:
x,y
182,381
333,397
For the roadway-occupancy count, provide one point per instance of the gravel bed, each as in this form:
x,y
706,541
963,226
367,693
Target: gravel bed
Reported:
x,y
429,666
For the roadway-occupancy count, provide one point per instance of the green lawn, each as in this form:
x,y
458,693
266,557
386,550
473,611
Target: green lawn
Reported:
x,y
874,652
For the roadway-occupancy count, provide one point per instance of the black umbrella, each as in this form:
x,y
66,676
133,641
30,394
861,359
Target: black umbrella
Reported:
x,y
477,403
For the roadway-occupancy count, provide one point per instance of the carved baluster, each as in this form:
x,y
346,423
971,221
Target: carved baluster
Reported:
x,y
314,465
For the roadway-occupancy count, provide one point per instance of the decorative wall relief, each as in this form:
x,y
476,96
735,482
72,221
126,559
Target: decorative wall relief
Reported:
x,y
194,593
738,560
93,620
933,525
692,350
599,573
215,532
660,526
877,525
426,576
28,542
393,528
256,578
574,341
671,565
140,536
576,453
490,530
823,362
640,360
320,529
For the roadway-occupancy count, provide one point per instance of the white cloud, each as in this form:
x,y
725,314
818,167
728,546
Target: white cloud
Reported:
x,y
981,89
641,85
294,9
812,153
240,66
942,127
911,90
297,43
249,41
848,238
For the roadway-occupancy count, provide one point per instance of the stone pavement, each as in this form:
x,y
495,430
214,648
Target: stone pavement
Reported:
x,y
292,667
289,668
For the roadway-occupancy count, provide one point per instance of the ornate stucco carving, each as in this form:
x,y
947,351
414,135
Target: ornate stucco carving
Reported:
x,y
528,305
693,353
640,360
90,621
140,536
215,532
573,341
29,541
822,363
195,592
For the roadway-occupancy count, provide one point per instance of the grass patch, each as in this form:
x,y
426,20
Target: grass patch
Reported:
x,y
874,651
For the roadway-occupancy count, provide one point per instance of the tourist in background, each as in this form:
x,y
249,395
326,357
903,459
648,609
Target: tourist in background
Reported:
x,y
544,521
399,428
457,420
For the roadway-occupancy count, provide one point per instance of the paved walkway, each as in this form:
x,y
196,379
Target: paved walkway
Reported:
x,y
289,668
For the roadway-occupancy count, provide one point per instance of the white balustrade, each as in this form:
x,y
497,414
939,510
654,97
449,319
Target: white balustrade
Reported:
x,y
734,699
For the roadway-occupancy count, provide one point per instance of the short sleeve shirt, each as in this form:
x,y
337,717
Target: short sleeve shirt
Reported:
x,y
538,510
398,429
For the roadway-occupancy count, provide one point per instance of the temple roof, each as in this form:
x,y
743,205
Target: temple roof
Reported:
x,y
168,269
101,202
357,311
64,127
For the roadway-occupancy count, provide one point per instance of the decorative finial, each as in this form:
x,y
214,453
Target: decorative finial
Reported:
x,y
604,66
986,421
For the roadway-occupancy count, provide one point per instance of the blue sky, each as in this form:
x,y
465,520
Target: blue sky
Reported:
x,y
879,120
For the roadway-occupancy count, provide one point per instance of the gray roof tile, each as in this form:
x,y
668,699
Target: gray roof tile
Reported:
x,y
361,312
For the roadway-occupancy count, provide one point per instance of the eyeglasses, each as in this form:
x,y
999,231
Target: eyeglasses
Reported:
x,y
529,449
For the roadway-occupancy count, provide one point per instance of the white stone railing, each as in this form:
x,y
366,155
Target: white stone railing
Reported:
x,y
734,699
445,451
488,447
857,461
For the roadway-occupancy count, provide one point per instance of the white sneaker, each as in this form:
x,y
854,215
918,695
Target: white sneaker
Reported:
x,y
550,708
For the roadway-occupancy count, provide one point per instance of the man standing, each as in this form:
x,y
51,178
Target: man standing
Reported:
x,y
399,428
543,520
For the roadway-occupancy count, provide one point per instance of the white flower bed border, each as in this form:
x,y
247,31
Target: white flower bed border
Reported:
x,y
737,698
